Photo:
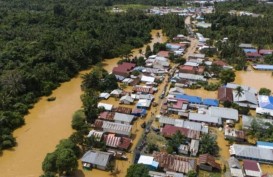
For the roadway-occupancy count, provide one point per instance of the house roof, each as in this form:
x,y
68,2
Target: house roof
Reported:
x,y
96,157
243,45
234,163
256,54
247,120
116,92
176,90
192,64
139,111
97,134
170,130
210,160
117,142
127,98
246,88
163,54
225,94
190,76
194,146
144,103
106,115
205,118
147,79
122,109
143,89
116,126
104,95
123,117
174,162
257,153
191,99
220,63
264,144
227,113
265,52
106,106
210,102
265,101
234,133
98,124
250,50
245,97
252,168
262,67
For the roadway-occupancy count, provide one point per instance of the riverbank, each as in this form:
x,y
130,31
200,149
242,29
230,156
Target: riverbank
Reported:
x,y
49,122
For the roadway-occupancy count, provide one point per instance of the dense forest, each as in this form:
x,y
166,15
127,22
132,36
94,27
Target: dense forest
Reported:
x,y
44,43
246,29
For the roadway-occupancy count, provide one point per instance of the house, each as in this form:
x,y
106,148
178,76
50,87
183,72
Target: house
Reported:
x,y
253,56
104,96
123,70
182,123
262,155
113,141
106,115
246,99
98,124
143,96
144,103
245,88
236,135
265,52
167,174
263,67
148,161
189,98
123,110
225,94
147,79
139,112
224,113
116,93
191,69
183,149
207,162
175,163
126,99
265,105
131,81
118,128
123,118
96,134
143,89
176,90
196,56
176,106
170,130
205,118
246,46
106,106
194,147
252,168
210,102
153,71
235,167
247,121
263,144
190,77
96,159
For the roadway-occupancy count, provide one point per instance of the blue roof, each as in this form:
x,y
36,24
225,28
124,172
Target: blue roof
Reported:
x,y
263,67
210,102
191,99
263,143
266,101
155,164
250,50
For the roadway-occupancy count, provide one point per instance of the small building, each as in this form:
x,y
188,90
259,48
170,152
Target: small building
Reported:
x,y
246,46
194,147
183,149
252,168
196,56
106,106
139,112
176,90
113,141
235,167
245,88
147,79
265,52
236,135
123,110
123,70
144,103
263,67
143,89
191,77
263,144
205,118
116,93
207,162
148,161
191,69
104,96
253,56
96,159
123,118
106,115
163,53
175,163
265,105
189,98
177,105
246,99
225,94
224,113
126,99
96,134
262,155
168,131
118,128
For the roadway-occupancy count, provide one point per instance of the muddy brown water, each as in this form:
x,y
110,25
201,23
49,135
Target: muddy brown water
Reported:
x,y
49,122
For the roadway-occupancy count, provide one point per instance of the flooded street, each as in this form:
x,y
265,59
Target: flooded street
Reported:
x,y
48,123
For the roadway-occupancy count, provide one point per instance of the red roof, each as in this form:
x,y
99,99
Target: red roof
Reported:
x,y
117,142
123,69
251,165
186,68
179,104
170,130
107,115
225,94
98,123
265,52
220,63
210,160
163,54
124,110
253,54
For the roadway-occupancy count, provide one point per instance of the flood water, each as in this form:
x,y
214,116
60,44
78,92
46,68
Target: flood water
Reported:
x,y
48,123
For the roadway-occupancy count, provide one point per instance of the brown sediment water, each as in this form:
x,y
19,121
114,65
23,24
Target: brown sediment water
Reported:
x,y
49,122
201,93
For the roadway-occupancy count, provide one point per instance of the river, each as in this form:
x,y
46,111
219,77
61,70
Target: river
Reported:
x,y
49,122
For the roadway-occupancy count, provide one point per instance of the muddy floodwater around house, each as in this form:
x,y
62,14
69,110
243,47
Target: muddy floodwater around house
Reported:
x,y
49,122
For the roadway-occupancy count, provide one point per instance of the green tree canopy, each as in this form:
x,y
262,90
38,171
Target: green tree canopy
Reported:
x,y
227,76
137,170
208,144
264,91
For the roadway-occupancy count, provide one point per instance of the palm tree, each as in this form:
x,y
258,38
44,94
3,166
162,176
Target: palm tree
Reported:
x,y
239,91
